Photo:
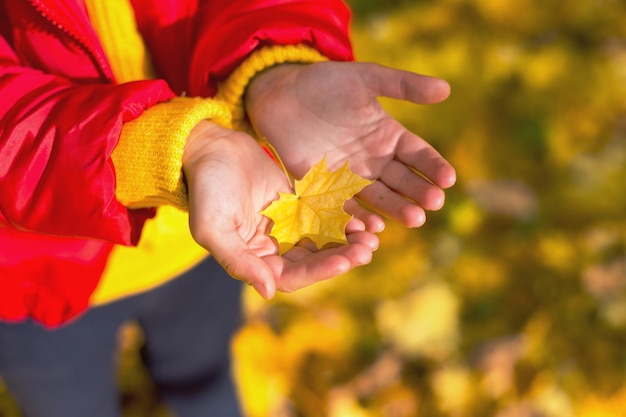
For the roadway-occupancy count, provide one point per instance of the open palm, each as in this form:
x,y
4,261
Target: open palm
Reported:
x,y
230,180
331,109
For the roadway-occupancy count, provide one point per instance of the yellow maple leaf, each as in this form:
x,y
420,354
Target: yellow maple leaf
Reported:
x,y
315,210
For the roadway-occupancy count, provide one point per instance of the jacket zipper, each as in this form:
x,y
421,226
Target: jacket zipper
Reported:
x,y
95,53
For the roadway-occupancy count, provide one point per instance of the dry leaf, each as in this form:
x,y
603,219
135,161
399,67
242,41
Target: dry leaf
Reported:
x,y
315,211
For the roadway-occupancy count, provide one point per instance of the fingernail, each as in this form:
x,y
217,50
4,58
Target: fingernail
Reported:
x,y
261,289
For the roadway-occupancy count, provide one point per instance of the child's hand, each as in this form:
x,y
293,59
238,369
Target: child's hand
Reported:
x,y
230,180
331,108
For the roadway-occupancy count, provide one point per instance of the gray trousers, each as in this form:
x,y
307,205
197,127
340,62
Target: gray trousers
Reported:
x,y
187,325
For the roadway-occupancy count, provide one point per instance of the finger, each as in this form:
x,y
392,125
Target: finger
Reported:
x,y
299,268
370,240
372,222
390,204
420,156
398,177
242,263
353,236
404,85
304,253
307,244
355,225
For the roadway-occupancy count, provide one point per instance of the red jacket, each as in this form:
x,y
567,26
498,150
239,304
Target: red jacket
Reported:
x,y
61,113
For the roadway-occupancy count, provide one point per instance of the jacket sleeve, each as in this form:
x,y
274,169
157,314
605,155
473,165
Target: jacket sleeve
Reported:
x,y
148,156
197,45
232,30
56,140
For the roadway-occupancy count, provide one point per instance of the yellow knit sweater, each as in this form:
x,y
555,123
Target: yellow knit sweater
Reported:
x,y
148,156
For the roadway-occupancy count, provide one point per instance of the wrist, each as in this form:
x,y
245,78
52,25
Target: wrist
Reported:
x,y
202,129
233,89
203,135
267,82
147,158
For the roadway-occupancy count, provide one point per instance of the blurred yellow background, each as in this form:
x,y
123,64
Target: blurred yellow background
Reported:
x,y
510,301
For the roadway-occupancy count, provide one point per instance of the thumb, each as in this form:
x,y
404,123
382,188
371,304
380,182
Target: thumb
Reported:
x,y
243,264
404,85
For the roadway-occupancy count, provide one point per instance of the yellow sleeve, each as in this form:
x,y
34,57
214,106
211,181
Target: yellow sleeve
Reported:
x,y
148,165
148,156
232,90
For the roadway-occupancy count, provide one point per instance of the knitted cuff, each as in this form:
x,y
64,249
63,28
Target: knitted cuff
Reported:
x,y
233,89
148,156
